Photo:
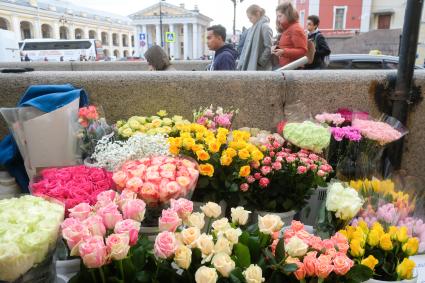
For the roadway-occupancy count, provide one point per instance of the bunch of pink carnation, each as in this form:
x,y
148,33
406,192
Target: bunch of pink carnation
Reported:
x,y
87,114
380,132
158,179
349,133
105,231
330,118
315,258
73,185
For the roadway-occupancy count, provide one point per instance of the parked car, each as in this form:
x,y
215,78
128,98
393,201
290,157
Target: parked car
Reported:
x,y
363,62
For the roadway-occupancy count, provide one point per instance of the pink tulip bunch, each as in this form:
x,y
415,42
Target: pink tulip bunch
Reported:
x,y
315,258
157,180
105,231
73,185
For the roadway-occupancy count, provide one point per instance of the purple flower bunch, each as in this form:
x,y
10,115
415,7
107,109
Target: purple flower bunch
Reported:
x,y
350,133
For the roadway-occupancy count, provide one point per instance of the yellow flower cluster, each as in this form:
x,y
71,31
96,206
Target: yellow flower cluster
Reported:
x,y
219,148
159,124
384,188
362,239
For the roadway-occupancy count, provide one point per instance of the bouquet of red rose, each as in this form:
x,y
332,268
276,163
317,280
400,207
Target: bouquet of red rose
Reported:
x,y
72,185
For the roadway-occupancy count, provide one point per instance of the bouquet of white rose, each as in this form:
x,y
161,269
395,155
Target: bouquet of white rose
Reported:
x,y
29,228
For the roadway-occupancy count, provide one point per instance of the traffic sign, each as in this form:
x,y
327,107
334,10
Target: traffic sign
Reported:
x,y
142,36
170,37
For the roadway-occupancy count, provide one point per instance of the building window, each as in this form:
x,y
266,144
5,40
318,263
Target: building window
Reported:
x,y
384,21
302,18
339,17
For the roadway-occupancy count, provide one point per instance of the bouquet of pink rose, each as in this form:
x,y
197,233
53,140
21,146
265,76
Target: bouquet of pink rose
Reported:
x,y
284,179
106,237
157,180
72,185
315,260
213,119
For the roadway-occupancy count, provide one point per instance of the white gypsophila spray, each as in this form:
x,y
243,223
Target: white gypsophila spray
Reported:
x,y
111,154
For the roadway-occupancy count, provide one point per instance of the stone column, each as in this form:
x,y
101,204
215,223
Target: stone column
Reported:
x,y
186,41
111,46
37,29
195,41
130,47
16,26
173,44
86,32
56,28
72,32
158,34
99,34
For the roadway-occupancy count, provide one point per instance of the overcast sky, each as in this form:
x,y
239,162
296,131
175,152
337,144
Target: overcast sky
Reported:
x,y
219,10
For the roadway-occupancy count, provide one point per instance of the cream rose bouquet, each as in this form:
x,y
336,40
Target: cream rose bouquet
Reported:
x,y
29,228
200,247
342,204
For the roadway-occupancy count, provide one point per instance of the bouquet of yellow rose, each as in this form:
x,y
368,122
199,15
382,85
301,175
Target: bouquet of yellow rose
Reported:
x,y
224,159
157,124
385,251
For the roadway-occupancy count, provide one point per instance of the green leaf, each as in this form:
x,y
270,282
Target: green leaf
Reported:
x,y
277,277
139,258
280,250
143,277
264,240
243,256
236,276
254,248
234,188
289,268
203,182
269,257
244,238
359,273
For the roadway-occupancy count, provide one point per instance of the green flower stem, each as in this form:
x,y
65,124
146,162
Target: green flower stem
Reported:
x,y
102,275
93,276
121,271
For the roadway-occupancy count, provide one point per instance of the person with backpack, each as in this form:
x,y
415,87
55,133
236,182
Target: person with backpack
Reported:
x,y
293,41
321,49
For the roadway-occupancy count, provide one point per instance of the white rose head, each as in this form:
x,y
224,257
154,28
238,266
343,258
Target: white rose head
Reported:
x,y
223,263
196,219
240,215
220,225
269,224
205,244
296,247
233,235
223,245
190,235
206,275
183,257
211,209
253,274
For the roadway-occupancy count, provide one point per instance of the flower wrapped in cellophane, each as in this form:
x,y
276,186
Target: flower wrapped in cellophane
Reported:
x,y
215,118
29,229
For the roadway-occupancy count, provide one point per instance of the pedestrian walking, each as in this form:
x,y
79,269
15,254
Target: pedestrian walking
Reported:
x,y
157,59
242,38
225,55
321,46
293,42
256,53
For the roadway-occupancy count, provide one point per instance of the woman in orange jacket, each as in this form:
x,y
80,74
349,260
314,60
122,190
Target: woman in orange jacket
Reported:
x,y
293,42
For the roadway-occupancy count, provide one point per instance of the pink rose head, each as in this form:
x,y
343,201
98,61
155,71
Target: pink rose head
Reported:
x,y
138,171
126,195
257,176
328,244
277,166
134,209
80,211
310,261
290,159
339,238
300,272
149,193
182,206
118,246
93,252
324,266
267,160
265,170
152,174
342,264
129,227
244,187
110,215
169,220
301,169
297,226
74,235
134,184
105,197
165,245
69,222
184,183
95,225
250,179
169,190
264,182
120,179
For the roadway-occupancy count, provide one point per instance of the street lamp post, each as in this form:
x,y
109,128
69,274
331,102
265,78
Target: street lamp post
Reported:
x,y
160,22
234,14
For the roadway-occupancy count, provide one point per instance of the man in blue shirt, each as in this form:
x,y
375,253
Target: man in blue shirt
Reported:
x,y
225,55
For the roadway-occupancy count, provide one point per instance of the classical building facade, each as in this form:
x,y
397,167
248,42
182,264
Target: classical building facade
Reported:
x,y
59,19
188,26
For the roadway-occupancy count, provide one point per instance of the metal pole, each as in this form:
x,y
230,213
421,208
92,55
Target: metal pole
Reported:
x,y
234,17
409,44
160,21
